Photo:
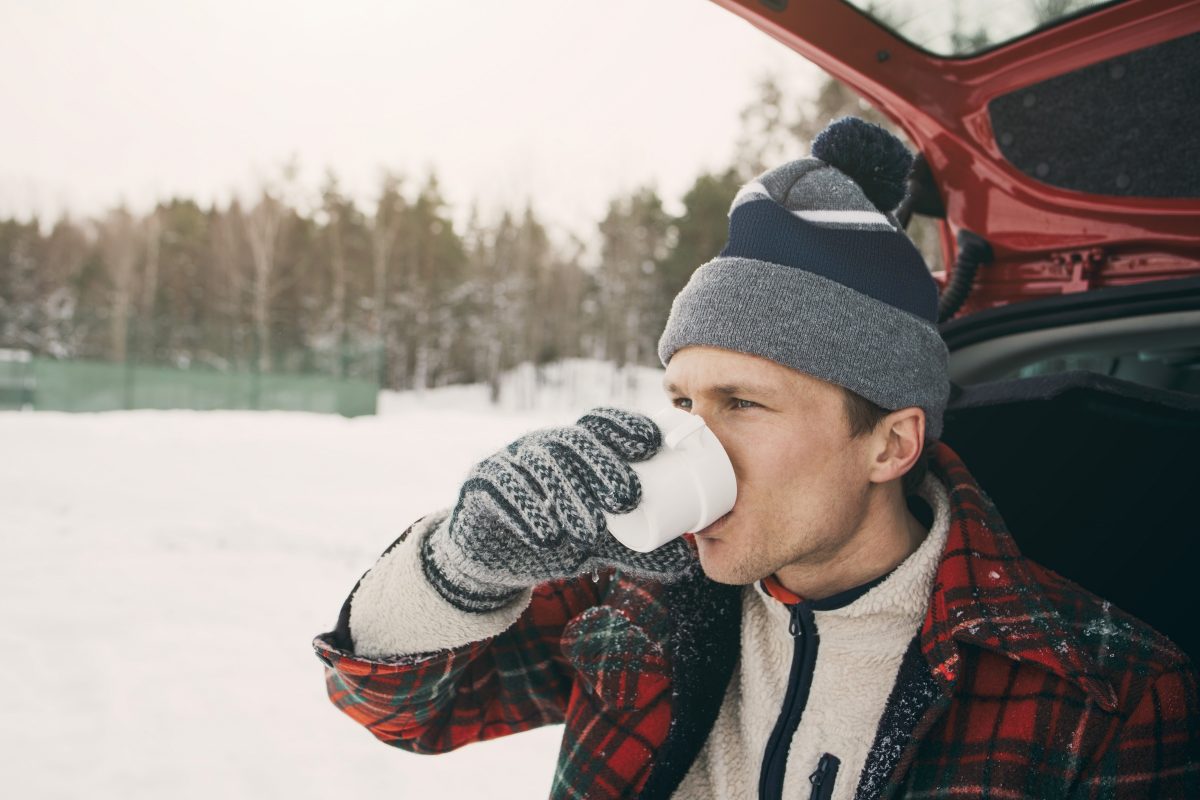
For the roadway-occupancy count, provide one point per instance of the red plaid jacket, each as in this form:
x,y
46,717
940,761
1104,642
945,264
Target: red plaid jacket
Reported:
x,y
1020,684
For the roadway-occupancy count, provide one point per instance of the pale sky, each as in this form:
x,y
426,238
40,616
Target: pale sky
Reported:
x,y
567,101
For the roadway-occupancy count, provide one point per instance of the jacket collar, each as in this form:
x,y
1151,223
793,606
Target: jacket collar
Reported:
x,y
986,594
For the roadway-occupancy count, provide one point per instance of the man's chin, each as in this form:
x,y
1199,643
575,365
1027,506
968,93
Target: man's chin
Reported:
x,y
719,568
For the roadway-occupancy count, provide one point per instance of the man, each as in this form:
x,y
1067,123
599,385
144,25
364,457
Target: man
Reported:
x,y
859,625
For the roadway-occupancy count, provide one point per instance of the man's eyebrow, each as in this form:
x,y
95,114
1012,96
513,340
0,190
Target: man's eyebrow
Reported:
x,y
727,389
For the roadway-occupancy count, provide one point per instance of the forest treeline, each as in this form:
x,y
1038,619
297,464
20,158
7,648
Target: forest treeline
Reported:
x,y
392,292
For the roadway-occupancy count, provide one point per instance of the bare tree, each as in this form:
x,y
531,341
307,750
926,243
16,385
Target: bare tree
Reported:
x,y
764,138
264,225
333,206
228,246
119,247
386,225
152,235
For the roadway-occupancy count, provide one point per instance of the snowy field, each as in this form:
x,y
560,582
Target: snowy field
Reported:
x,y
164,572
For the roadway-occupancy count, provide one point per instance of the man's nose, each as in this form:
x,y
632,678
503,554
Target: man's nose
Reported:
x,y
707,412
712,420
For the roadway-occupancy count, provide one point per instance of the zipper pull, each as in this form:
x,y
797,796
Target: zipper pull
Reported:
x,y
794,627
823,777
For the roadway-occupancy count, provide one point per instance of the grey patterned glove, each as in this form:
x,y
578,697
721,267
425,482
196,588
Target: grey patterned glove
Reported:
x,y
534,512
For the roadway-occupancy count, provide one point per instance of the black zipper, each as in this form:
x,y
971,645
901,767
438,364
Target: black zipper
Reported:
x,y
823,777
803,628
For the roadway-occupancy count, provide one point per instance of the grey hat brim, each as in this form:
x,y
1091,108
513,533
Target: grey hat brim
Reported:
x,y
814,325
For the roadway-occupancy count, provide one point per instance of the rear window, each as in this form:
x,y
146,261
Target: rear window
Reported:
x,y
965,27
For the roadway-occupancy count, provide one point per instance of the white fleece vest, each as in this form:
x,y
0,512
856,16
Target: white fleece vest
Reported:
x,y
858,656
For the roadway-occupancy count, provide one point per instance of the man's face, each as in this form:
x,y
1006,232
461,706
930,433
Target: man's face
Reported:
x,y
802,481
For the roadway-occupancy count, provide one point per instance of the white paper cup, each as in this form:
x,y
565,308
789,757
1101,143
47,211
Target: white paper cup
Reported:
x,y
687,486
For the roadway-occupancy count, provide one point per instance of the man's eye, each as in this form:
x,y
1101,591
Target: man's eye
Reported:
x,y
679,402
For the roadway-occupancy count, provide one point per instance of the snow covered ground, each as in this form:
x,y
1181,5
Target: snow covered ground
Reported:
x,y
163,572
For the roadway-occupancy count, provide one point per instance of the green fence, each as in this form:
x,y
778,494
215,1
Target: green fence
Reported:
x,y
50,385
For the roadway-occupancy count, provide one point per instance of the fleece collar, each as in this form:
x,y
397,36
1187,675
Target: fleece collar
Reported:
x,y
900,596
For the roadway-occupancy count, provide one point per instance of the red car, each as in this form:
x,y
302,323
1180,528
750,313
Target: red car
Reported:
x,y
1060,150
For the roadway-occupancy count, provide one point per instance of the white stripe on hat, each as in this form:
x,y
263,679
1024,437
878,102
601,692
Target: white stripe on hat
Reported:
x,y
846,216
834,215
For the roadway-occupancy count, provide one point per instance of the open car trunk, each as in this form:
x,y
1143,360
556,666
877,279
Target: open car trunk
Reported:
x,y
1063,161
1095,478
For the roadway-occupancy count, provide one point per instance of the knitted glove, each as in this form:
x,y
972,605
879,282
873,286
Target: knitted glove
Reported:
x,y
534,512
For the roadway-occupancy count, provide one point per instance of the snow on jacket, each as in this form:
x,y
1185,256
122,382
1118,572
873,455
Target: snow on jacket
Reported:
x,y
1019,684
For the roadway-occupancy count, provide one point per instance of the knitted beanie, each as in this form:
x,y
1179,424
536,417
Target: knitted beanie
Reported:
x,y
819,276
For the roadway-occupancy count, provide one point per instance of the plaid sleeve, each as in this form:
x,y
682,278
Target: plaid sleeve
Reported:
x,y
434,702
1155,751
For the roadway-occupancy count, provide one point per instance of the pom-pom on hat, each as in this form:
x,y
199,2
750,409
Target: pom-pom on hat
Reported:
x,y
819,276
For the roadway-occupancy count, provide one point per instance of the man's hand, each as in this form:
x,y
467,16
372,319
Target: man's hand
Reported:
x,y
534,512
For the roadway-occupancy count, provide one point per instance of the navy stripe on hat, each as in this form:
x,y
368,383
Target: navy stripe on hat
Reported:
x,y
884,265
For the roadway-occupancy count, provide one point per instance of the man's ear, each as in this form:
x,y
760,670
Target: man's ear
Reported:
x,y
896,444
